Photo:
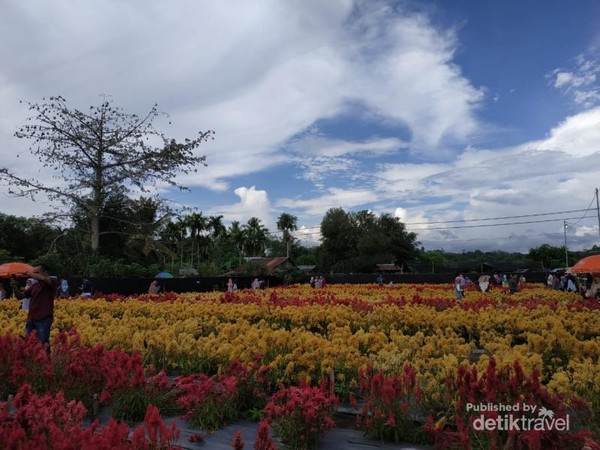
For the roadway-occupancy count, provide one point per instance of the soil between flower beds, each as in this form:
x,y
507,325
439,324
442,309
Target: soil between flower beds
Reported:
x,y
344,436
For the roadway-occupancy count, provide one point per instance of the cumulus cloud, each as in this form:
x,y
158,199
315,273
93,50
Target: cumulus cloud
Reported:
x,y
414,81
581,83
444,202
308,236
555,174
256,90
253,203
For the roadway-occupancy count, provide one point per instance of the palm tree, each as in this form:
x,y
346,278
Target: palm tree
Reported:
x,y
256,237
173,234
215,224
287,223
215,233
176,232
237,235
196,224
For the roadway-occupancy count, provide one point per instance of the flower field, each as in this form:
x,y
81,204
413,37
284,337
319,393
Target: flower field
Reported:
x,y
410,356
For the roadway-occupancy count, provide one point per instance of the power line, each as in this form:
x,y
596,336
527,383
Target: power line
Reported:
x,y
487,238
586,211
462,227
499,218
466,221
495,224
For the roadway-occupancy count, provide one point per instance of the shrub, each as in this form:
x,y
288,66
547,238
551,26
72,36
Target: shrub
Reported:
x,y
388,412
301,415
208,402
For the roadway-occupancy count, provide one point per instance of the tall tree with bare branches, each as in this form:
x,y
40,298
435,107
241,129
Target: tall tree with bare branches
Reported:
x,y
93,153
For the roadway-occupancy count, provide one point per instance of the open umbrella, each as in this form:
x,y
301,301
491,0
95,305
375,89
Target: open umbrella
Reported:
x,y
589,264
163,275
14,268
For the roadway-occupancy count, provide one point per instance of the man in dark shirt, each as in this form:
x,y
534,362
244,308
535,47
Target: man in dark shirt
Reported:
x,y
41,305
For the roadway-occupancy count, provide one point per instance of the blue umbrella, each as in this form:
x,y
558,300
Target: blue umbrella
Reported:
x,y
163,275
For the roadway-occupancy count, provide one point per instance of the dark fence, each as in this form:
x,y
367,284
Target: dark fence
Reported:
x,y
533,277
130,286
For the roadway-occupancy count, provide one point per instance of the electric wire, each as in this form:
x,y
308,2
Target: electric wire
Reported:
x,y
485,225
407,224
585,213
301,233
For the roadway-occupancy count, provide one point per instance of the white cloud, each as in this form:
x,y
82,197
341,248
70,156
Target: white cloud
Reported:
x,y
318,169
586,231
415,81
582,82
308,236
412,178
253,203
334,198
212,65
323,146
558,173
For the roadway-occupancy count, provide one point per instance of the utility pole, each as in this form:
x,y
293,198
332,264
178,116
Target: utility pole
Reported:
x,y
598,211
566,251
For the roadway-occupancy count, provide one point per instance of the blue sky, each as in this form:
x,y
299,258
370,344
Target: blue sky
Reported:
x,y
440,112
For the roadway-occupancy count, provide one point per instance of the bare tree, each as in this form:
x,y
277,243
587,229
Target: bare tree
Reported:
x,y
97,152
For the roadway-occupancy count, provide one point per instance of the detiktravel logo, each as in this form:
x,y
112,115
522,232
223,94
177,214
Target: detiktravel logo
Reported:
x,y
516,417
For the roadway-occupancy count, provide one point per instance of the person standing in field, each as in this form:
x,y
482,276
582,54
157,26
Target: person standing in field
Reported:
x,y
459,284
550,281
41,303
513,283
154,287
484,282
86,288
64,288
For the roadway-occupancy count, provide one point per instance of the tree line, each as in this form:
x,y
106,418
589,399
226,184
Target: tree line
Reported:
x,y
138,238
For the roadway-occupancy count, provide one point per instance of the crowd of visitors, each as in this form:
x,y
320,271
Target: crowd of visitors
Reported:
x,y
317,281
587,285
486,282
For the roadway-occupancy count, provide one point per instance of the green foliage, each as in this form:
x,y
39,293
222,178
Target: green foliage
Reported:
x,y
357,241
22,238
306,256
52,260
548,256
254,237
131,404
104,267
141,238
286,224
209,269
6,256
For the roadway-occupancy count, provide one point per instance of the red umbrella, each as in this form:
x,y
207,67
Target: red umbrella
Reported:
x,y
589,264
14,268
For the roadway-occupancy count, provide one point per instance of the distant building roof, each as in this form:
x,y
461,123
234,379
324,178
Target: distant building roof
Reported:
x,y
389,268
271,266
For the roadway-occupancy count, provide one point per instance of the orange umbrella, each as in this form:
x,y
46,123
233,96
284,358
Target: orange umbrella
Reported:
x,y
14,268
589,264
